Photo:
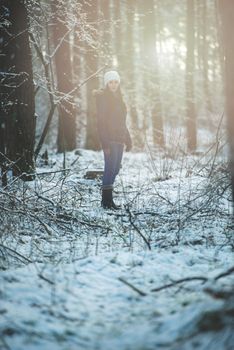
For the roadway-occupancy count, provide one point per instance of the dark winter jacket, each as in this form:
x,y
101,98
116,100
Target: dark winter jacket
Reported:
x,y
111,119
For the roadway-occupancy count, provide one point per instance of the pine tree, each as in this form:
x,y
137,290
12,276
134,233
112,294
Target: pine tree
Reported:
x,y
190,103
91,60
66,140
17,114
227,15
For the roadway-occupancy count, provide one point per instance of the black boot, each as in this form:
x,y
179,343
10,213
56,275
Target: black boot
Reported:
x,y
107,199
113,205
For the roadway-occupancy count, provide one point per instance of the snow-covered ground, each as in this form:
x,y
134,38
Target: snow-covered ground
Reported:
x,y
75,276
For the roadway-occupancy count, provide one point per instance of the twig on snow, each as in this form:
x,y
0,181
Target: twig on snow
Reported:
x,y
45,279
225,273
140,292
137,229
174,283
195,278
16,253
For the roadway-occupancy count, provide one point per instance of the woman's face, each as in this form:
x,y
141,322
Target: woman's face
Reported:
x,y
113,85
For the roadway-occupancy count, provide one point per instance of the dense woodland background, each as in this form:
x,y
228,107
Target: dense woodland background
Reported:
x,y
54,53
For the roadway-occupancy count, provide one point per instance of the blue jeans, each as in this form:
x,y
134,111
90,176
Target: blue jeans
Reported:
x,y
112,164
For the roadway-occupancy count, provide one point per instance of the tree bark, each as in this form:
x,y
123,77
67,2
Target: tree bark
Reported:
x,y
190,103
91,66
66,140
106,36
157,117
205,56
17,117
151,75
227,16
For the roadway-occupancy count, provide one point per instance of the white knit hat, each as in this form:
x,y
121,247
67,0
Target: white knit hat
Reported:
x,y
111,75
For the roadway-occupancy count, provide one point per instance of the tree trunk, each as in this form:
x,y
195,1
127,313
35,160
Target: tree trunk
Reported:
x,y
121,35
66,140
227,16
205,55
151,76
78,77
106,37
157,117
17,117
190,103
91,59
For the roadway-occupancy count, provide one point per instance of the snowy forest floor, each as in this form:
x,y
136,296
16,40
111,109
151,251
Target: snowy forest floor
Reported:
x,y
74,276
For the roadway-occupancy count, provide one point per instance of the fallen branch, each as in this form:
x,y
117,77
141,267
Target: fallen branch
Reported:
x,y
16,253
174,283
195,278
141,293
224,274
45,279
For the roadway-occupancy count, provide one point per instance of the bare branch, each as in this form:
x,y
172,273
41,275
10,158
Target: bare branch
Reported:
x,y
140,292
191,279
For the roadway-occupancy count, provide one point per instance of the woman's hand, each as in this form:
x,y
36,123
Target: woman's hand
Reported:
x,y
128,147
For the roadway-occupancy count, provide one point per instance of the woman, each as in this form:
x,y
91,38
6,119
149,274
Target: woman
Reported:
x,y
113,133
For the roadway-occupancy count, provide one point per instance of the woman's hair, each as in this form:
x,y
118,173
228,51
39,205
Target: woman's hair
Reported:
x,y
118,92
113,98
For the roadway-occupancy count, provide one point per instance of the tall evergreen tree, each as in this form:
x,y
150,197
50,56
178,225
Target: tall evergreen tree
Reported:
x,y
190,103
150,11
66,140
17,108
91,66
205,55
106,37
227,15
